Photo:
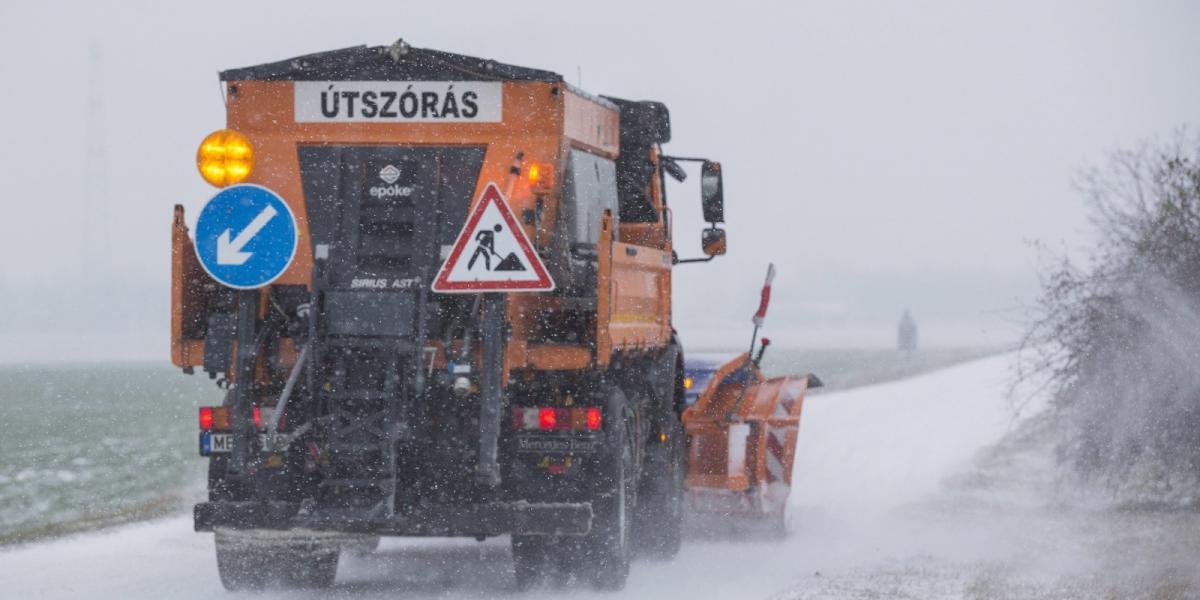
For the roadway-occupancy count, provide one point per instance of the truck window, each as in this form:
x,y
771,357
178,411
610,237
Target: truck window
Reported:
x,y
635,172
591,188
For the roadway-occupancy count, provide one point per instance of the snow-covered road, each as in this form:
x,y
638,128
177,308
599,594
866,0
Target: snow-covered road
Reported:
x,y
871,463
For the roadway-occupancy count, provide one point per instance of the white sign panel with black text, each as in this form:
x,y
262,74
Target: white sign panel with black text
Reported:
x,y
399,101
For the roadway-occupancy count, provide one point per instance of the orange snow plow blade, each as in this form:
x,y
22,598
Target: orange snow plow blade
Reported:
x,y
741,436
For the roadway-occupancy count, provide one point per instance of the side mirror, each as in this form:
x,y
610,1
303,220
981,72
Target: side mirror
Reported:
x,y
712,241
712,198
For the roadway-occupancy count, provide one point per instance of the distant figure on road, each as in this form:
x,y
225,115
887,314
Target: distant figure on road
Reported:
x,y
906,333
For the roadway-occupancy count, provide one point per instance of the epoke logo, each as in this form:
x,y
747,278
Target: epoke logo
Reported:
x,y
389,174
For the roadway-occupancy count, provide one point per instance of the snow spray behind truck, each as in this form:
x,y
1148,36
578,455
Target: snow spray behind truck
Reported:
x,y
437,290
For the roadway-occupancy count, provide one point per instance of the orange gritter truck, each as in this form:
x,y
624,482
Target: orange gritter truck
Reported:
x,y
436,290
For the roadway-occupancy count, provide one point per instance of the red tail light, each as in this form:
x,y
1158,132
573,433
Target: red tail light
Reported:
x,y
218,418
547,418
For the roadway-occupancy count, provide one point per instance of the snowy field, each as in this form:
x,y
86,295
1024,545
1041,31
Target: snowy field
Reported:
x,y
930,487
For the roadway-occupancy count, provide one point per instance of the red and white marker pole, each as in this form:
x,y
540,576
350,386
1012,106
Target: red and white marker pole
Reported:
x,y
759,316
763,302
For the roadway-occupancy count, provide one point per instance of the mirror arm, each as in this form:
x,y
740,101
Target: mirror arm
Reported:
x,y
672,168
675,260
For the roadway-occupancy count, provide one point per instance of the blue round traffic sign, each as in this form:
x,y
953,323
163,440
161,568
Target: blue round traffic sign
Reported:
x,y
246,236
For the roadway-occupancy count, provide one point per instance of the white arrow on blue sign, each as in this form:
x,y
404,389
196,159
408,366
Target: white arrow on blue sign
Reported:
x,y
246,236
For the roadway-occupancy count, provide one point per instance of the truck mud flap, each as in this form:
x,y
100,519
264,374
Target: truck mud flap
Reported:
x,y
523,518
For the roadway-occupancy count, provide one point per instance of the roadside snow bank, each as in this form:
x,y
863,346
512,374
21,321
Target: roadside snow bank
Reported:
x,y
866,451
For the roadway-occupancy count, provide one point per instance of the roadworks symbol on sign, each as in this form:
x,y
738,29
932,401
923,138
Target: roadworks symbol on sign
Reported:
x,y
492,253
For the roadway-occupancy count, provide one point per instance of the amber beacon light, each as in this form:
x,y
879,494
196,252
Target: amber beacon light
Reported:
x,y
225,157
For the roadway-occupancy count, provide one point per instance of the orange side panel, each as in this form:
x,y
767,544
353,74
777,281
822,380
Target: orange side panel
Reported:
x,y
640,279
187,347
641,303
604,290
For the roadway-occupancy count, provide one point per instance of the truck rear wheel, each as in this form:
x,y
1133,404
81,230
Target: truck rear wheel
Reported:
x,y
242,568
659,518
312,569
605,551
244,565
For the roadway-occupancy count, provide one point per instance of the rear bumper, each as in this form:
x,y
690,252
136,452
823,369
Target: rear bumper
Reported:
x,y
473,520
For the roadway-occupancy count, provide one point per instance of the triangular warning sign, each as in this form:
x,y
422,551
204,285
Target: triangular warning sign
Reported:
x,y
492,253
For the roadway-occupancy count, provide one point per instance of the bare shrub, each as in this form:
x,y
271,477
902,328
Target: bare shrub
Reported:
x,y
1118,341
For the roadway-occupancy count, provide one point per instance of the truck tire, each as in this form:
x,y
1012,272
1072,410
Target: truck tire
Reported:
x,y
245,566
241,567
312,569
606,549
658,531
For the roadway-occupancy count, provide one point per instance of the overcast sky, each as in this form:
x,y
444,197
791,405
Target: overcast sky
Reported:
x,y
883,155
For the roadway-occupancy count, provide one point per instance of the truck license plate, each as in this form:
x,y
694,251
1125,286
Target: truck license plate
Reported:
x,y
222,443
215,443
